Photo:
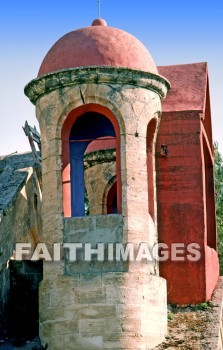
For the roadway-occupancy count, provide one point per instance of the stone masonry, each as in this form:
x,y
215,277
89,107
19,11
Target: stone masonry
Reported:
x,y
100,174
20,220
103,310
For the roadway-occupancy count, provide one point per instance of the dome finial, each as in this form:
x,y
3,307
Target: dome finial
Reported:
x,y
99,22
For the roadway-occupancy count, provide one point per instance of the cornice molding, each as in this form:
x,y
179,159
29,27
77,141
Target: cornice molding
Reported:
x,y
97,75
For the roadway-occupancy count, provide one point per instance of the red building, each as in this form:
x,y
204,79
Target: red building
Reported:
x,y
185,183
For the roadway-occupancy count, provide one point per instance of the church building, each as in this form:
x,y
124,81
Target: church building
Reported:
x,y
127,159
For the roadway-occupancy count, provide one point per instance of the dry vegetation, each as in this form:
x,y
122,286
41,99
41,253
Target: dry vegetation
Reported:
x,y
189,328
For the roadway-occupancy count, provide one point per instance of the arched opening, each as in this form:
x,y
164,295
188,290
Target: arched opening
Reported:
x,y
84,127
112,199
209,197
150,147
89,127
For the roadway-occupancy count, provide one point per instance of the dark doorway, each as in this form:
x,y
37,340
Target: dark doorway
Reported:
x,y
23,309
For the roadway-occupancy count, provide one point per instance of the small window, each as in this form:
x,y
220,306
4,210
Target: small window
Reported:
x,y
151,166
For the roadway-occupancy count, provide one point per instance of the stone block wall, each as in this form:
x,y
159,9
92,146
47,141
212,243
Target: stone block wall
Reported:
x,y
113,310
103,311
20,219
134,106
93,229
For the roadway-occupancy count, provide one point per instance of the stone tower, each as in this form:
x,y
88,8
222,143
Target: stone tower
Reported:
x,y
98,85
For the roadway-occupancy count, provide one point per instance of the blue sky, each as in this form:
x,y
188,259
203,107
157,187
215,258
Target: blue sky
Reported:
x,y
175,32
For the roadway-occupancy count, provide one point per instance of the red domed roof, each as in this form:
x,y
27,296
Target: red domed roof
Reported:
x,y
98,45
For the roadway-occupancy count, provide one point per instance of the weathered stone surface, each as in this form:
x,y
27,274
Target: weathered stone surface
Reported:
x,y
110,307
20,219
93,296
92,229
103,75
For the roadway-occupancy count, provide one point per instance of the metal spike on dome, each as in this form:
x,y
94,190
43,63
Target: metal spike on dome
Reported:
x,y
99,8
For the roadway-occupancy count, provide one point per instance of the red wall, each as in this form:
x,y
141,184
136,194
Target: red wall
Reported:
x,y
181,207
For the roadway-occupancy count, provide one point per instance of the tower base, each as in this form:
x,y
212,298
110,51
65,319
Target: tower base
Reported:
x,y
113,310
